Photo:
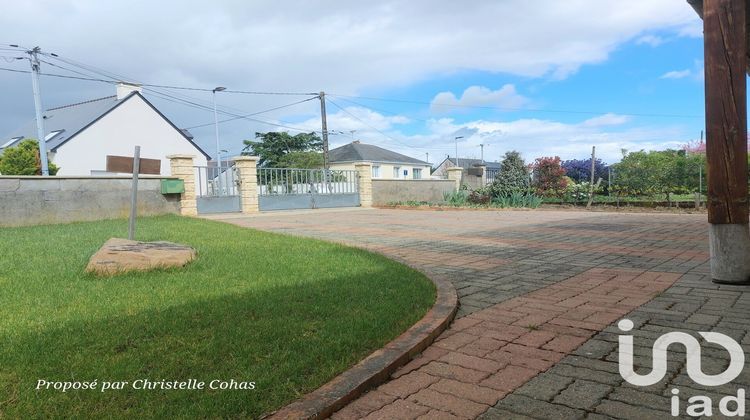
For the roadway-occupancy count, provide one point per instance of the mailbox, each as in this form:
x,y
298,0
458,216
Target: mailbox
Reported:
x,y
172,186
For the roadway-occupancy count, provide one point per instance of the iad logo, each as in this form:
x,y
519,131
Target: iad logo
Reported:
x,y
701,405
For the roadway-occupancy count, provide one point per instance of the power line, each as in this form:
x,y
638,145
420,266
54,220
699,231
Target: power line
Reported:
x,y
381,132
171,98
563,111
121,77
254,113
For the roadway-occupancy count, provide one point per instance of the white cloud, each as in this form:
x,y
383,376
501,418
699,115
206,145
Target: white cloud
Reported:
x,y
477,96
605,120
532,137
676,74
339,46
651,40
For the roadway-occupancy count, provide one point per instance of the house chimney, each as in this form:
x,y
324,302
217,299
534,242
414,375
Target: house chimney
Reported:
x,y
355,142
124,89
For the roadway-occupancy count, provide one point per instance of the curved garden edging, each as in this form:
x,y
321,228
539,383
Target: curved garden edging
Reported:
x,y
379,365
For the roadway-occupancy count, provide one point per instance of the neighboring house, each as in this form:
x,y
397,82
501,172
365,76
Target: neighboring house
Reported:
x,y
80,136
386,164
449,162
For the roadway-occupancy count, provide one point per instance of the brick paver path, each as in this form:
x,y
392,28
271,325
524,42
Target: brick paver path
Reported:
x,y
540,293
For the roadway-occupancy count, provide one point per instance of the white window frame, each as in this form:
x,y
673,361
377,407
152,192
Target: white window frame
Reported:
x,y
416,173
396,172
9,142
376,171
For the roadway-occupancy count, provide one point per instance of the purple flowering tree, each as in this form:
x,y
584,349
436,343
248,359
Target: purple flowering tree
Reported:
x,y
579,170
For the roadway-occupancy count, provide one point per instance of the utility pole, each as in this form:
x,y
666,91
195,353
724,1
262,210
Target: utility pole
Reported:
x,y
216,132
324,125
34,60
427,157
456,140
591,184
481,146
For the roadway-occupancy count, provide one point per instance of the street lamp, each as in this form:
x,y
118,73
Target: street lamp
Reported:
x,y
216,130
216,125
456,139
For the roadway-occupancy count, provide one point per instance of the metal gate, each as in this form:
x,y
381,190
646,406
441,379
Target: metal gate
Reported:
x,y
217,189
285,189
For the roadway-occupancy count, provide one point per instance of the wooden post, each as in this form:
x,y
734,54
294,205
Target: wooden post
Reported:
x,y
134,193
725,49
591,182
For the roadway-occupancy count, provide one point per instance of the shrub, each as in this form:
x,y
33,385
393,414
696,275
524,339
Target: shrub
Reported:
x,y
23,159
549,176
580,169
481,196
513,176
456,198
518,199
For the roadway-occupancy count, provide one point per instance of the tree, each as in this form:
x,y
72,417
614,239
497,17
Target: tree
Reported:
x,y
272,146
513,176
549,176
580,169
658,172
23,159
303,160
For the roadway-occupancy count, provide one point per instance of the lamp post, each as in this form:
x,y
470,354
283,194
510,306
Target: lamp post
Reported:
x,y
216,131
216,124
456,140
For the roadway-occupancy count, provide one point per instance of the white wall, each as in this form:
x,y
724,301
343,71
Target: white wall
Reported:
x,y
386,169
130,124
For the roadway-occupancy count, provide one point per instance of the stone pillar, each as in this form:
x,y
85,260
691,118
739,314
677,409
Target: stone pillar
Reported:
x,y
182,167
248,169
484,174
364,170
455,174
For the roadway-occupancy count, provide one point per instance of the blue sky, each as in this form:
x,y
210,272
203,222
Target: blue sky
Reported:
x,y
545,78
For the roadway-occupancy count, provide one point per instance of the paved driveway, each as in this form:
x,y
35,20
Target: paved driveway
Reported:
x,y
539,294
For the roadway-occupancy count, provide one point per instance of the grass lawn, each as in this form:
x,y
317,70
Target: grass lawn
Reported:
x,y
286,313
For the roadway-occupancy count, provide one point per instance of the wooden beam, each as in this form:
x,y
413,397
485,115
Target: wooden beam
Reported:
x,y
725,46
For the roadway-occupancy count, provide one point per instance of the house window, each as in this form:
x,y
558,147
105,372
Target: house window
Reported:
x,y
52,134
9,142
416,173
376,171
397,172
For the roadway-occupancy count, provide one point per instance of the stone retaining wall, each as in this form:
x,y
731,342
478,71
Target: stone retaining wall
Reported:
x,y
33,200
386,191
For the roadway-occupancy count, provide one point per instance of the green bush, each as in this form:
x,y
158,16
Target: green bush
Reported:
x,y
456,198
513,176
481,196
518,200
23,159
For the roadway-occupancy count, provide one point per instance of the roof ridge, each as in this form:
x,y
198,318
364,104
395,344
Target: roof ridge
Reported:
x,y
84,102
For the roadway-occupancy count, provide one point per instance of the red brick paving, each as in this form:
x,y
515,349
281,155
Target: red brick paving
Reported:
x,y
488,354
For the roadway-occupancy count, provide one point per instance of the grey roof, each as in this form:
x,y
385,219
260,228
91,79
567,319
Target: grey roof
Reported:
x,y
469,163
69,120
356,151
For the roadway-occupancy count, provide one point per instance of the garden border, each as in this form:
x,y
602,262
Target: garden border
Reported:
x,y
376,368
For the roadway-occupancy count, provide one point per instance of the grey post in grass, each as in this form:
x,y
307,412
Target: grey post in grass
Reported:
x,y
134,193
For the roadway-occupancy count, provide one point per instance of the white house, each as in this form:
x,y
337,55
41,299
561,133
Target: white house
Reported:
x,y
80,136
386,164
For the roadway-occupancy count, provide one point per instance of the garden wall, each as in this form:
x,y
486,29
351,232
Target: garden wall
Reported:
x,y
386,191
32,200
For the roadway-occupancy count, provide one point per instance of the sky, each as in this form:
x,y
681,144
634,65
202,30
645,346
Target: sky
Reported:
x,y
546,78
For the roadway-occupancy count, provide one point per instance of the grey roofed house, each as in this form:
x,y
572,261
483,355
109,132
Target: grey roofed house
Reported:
x,y
358,152
470,163
64,122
